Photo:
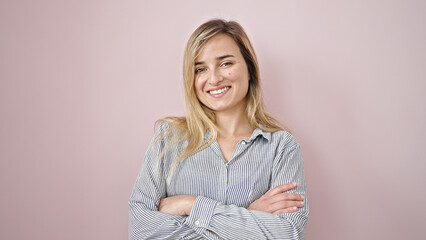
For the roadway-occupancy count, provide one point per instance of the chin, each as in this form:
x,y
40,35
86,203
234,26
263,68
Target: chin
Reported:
x,y
220,108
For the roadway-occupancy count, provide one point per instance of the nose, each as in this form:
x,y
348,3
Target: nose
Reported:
x,y
215,77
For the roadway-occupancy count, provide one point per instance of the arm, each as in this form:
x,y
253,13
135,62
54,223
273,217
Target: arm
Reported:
x,y
278,200
145,221
231,222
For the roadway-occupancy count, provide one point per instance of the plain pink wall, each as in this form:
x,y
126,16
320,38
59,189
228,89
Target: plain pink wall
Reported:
x,y
82,83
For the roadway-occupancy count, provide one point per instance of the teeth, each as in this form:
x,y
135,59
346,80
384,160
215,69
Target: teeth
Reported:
x,y
219,90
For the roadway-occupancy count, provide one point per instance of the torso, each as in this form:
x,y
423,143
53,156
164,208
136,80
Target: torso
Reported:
x,y
227,145
240,181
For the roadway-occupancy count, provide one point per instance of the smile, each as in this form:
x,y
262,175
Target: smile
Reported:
x,y
218,91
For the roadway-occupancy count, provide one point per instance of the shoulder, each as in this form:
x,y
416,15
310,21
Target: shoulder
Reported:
x,y
172,125
166,128
161,126
286,148
167,136
283,139
161,129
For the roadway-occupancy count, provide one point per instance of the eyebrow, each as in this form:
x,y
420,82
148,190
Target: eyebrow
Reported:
x,y
218,58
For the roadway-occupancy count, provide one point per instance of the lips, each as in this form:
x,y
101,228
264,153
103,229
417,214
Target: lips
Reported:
x,y
218,91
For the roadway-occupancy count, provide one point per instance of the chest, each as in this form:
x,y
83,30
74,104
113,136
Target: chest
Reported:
x,y
241,181
228,147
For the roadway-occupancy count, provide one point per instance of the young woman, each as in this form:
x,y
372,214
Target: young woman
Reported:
x,y
226,170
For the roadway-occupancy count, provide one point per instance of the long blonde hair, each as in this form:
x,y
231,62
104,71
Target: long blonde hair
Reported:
x,y
198,118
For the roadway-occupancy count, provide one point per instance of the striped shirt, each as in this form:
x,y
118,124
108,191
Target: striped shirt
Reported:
x,y
224,190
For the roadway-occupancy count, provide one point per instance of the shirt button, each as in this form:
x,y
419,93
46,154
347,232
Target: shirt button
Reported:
x,y
197,222
243,142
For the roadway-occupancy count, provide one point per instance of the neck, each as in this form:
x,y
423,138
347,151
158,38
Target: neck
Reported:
x,y
233,124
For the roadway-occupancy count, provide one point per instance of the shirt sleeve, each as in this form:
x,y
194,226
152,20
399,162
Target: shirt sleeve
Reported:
x,y
233,222
145,221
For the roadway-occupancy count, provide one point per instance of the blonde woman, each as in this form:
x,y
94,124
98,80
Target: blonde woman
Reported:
x,y
226,170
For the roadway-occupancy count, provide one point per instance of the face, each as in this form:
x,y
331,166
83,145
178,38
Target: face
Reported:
x,y
221,75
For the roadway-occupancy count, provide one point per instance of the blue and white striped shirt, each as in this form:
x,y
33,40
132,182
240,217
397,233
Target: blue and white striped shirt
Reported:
x,y
224,190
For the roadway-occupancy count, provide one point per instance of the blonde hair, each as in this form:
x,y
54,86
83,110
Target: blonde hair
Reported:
x,y
198,118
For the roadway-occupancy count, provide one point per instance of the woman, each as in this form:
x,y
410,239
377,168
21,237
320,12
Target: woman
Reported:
x,y
226,170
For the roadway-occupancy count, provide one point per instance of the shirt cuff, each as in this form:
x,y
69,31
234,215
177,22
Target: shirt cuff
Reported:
x,y
201,213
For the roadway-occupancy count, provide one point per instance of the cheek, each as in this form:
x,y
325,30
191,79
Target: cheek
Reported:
x,y
237,74
199,85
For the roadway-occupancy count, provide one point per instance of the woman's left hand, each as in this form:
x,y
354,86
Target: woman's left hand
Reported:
x,y
177,205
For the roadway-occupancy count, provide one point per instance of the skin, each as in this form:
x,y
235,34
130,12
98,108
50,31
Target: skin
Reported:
x,y
274,201
221,83
220,65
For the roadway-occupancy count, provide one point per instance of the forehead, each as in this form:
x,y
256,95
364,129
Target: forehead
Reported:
x,y
218,45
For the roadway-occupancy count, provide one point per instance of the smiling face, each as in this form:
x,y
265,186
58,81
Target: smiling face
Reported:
x,y
221,75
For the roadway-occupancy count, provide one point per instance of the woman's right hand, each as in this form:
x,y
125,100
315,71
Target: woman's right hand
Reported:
x,y
278,201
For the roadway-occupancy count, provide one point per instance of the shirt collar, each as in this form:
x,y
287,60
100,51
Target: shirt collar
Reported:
x,y
254,135
257,132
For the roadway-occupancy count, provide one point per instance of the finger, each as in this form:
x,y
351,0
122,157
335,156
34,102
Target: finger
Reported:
x,y
284,197
285,204
286,210
290,196
271,208
280,189
287,207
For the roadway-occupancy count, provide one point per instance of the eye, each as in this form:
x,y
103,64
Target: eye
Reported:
x,y
225,64
200,70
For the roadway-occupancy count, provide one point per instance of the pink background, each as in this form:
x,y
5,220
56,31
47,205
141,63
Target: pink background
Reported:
x,y
82,83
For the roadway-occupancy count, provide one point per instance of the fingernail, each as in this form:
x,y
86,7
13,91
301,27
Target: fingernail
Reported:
x,y
303,197
294,184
